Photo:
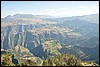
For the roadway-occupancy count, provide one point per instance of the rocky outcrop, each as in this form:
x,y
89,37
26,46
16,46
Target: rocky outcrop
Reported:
x,y
34,36
20,33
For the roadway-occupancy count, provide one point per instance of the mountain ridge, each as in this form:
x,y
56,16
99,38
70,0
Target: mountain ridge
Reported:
x,y
44,37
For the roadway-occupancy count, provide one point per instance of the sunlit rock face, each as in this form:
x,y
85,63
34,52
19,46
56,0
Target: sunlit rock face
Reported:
x,y
44,37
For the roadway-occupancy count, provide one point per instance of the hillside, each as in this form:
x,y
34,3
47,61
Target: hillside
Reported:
x,y
58,60
39,37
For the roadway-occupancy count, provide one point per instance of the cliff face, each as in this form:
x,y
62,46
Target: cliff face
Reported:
x,y
27,37
44,38
33,37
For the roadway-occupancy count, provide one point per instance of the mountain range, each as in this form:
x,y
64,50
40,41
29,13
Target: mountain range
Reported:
x,y
42,36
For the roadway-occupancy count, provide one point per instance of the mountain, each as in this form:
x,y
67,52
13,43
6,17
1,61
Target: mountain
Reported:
x,y
43,36
25,19
18,16
84,53
93,18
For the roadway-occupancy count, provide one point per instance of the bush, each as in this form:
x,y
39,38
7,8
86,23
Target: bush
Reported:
x,y
62,60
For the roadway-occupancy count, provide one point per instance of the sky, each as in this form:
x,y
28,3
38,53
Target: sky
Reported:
x,y
52,8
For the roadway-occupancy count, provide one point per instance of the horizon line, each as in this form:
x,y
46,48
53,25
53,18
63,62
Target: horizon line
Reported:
x,y
49,15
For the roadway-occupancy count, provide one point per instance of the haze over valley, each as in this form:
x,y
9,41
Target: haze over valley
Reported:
x,y
45,40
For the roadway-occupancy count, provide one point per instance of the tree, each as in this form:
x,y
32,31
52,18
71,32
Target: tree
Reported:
x,y
62,60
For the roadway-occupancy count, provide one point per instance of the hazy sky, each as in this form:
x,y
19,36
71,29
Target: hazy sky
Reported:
x,y
53,8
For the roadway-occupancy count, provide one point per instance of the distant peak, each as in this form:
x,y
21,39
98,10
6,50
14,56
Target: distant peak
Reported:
x,y
8,16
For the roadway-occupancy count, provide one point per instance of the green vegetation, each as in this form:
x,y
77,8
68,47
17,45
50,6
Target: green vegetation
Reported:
x,y
53,44
27,63
6,59
66,60
62,60
58,60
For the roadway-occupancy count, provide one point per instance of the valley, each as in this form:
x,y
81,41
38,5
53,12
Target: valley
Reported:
x,y
38,37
